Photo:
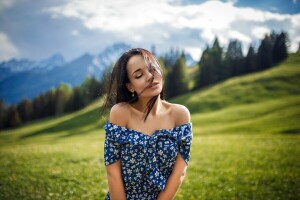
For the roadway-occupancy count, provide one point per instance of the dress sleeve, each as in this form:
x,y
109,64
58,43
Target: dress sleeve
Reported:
x,y
185,142
111,145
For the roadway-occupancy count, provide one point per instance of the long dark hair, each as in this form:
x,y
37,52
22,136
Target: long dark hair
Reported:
x,y
116,88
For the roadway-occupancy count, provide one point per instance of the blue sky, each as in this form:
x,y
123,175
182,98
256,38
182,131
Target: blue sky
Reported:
x,y
37,29
278,6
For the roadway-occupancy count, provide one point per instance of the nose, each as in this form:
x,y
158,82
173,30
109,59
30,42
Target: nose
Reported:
x,y
150,76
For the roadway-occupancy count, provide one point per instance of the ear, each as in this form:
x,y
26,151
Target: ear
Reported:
x,y
129,87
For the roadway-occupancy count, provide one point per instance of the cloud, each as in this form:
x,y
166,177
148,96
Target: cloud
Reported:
x,y
158,21
114,15
7,49
259,31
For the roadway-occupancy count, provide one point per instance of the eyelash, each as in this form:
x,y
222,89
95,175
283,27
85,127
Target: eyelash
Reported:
x,y
137,77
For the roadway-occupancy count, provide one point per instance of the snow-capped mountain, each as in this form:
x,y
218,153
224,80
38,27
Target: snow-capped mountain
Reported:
x,y
27,79
15,66
22,65
106,58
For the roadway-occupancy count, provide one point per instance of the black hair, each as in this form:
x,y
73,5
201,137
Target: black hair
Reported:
x,y
116,87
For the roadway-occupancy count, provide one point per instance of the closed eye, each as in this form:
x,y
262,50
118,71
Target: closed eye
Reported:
x,y
138,76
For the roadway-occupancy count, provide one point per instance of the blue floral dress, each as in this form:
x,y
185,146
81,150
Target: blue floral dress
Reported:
x,y
147,161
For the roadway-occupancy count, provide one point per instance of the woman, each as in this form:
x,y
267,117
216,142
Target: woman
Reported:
x,y
148,140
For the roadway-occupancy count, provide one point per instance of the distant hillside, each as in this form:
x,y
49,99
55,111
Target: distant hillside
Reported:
x,y
275,83
262,102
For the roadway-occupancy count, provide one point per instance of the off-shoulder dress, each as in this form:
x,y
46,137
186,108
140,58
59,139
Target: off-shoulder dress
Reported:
x,y
146,160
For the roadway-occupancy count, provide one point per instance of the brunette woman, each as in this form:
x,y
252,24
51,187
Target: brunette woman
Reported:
x,y
148,140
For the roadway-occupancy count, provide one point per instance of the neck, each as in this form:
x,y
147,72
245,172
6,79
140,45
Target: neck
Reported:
x,y
142,105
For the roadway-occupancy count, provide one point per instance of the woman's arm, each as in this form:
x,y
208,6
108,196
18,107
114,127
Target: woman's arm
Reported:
x,y
115,181
117,116
174,180
182,116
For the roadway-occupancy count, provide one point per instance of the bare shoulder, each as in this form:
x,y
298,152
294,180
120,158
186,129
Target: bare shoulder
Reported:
x,y
180,114
119,114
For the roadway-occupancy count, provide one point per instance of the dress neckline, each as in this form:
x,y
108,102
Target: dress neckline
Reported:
x,y
154,132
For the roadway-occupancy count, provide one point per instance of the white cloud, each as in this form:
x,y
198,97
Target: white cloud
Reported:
x,y
240,36
259,31
194,52
7,49
160,21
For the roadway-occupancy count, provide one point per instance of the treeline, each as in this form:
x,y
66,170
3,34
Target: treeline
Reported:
x,y
54,102
216,64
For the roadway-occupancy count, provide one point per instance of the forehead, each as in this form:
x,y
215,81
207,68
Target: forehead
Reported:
x,y
136,62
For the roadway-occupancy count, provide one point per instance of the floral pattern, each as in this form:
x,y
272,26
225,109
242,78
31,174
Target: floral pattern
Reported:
x,y
147,161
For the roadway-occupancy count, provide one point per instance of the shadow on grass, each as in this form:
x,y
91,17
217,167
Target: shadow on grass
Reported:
x,y
72,126
82,132
291,131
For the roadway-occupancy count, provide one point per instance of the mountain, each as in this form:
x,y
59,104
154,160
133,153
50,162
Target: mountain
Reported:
x,y
27,79
14,66
174,54
189,60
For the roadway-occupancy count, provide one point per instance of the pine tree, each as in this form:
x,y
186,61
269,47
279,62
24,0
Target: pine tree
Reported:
x,y
13,117
265,53
171,57
38,107
62,96
280,48
204,76
3,114
233,60
210,65
77,99
90,89
49,107
250,62
177,80
216,61
25,110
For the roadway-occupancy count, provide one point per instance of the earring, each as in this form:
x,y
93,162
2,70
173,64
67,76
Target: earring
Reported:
x,y
132,93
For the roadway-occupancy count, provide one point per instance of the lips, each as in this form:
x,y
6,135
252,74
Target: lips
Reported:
x,y
153,84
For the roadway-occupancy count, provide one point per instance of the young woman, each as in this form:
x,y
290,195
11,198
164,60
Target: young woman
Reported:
x,y
148,140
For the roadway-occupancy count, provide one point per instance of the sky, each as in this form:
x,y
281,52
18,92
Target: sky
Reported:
x,y
37,29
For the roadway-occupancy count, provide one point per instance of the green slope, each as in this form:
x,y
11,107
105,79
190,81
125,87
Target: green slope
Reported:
x,y
245,146
267,101
275,83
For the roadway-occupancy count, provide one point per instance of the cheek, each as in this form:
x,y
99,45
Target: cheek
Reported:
x,y
138,84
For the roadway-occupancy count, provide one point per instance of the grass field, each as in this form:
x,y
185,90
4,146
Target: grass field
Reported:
x,y
246,145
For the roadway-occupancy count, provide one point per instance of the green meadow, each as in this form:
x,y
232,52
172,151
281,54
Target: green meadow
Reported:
x,y
246,145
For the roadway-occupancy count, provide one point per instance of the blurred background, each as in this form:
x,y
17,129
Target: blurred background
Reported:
x,y
234,63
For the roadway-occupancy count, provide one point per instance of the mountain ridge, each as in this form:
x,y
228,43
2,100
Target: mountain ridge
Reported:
x,y
23,75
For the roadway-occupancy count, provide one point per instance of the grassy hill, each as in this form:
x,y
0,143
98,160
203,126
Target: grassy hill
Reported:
x,y
245,146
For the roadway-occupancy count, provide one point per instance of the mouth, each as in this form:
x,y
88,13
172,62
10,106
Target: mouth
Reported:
x,y
153,84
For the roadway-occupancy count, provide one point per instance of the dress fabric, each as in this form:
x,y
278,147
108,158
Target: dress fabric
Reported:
x,y
146,160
